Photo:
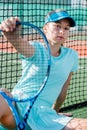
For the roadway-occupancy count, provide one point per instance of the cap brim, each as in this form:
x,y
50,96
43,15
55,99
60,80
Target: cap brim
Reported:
x,y
72,22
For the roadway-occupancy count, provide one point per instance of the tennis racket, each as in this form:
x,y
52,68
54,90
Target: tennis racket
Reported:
x,y
37,73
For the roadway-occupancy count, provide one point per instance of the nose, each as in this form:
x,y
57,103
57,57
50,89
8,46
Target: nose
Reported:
x,y
61,31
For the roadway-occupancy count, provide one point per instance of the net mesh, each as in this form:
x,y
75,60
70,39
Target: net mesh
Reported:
x,y
34,11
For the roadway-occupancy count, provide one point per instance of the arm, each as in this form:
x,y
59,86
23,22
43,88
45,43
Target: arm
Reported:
x,y
62,95
11,33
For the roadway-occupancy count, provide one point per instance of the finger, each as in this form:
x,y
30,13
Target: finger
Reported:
x,y
9,24
5,26
17,19
12,21
66,114
6,91
1,27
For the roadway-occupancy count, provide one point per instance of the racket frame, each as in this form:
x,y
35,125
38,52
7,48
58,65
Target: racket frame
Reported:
x,y
21,124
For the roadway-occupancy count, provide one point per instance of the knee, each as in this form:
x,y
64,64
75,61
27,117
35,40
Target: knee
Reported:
x,y
6,116
76,124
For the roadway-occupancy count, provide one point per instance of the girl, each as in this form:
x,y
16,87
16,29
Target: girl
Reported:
x,y
45,114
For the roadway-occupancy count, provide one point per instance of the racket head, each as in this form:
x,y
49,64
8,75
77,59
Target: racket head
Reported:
x,y
37,68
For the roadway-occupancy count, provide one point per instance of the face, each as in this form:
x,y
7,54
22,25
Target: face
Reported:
x,y
57,32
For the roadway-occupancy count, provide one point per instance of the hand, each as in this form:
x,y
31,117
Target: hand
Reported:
x,y
10,30
9,24
66,114
6,91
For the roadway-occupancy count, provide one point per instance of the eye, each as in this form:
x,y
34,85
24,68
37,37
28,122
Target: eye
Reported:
x,y
58,26
67,28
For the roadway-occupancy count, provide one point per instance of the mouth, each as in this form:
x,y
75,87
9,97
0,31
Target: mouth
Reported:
x,y
60,37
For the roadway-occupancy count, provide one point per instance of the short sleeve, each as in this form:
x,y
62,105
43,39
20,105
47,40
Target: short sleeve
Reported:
x,y
75,62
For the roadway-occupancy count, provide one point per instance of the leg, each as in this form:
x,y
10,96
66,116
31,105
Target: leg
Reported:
x,y
77,124
6,116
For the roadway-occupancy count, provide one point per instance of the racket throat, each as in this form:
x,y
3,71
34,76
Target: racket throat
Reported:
x,y
22,125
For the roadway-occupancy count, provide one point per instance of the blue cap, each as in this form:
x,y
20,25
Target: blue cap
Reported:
x,y
56,16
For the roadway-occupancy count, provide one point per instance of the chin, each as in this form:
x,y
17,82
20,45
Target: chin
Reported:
x,y
60,43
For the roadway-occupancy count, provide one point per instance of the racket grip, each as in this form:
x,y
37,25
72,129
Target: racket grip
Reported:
x,y
18,23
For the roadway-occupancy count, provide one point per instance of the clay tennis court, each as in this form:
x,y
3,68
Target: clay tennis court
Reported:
x,y
79,46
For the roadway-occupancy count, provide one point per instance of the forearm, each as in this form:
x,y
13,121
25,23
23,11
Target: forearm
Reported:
x,y
21,45
62,96
58,103
15,39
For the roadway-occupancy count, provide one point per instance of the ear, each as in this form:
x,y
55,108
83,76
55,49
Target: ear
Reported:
x,y
45,29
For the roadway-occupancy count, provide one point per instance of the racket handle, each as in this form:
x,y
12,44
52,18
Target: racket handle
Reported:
x,y
18,23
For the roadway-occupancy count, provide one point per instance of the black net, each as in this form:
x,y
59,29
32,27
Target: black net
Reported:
x,y
34,11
